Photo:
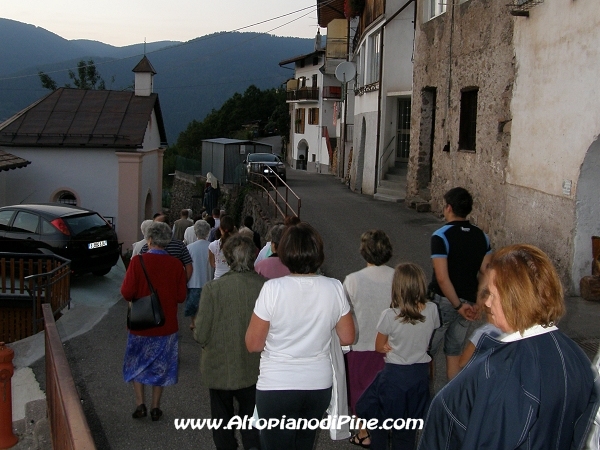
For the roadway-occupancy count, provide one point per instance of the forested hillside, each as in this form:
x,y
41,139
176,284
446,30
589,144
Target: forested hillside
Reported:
x,y
243,116
193,78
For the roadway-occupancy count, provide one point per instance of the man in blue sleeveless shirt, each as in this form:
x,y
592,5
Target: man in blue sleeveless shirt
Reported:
x,y
460,252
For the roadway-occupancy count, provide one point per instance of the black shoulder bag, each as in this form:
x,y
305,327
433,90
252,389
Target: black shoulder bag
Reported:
x,y
145,312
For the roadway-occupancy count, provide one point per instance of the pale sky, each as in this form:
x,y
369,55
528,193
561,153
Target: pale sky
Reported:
x,y
125,22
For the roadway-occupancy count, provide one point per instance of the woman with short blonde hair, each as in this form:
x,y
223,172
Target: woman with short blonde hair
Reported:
x,y
531,385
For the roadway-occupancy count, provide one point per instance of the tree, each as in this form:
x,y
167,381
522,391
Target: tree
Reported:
x,y
47,81
87,77
266,107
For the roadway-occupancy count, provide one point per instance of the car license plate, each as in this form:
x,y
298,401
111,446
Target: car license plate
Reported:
x,y
97,244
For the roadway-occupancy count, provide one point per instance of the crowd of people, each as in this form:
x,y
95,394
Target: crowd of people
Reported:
x,y
270,325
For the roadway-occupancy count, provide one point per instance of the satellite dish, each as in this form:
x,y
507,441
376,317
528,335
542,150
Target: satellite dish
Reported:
x,y
345,71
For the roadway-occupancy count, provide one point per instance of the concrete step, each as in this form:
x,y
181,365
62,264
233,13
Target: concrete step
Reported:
x,y
388,198
397,193
395,178
420,205
398,170
388,184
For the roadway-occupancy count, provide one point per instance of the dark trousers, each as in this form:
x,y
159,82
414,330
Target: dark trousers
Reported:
x,y
221,407
292,404
401,439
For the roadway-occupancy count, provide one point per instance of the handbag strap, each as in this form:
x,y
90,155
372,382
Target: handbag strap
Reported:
x,y
146,273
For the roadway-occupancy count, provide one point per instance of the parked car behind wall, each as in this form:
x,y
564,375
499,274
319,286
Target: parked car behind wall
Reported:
x,y
78,234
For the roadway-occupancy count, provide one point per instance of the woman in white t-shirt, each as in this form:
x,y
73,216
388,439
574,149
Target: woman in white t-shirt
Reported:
x,y
292,326
215,252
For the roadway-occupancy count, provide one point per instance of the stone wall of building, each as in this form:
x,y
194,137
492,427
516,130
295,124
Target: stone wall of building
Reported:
x,y
467,47
263,219
184,195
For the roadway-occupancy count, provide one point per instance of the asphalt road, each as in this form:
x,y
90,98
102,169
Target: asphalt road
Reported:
x,y
340,216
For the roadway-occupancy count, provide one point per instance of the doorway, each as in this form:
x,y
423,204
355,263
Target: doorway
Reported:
x,y
587,214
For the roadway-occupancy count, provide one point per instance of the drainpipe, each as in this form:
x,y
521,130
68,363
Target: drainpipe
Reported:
x,y
449,91
376,181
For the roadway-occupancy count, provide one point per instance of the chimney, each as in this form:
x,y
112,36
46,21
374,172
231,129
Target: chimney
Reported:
x,y
144,74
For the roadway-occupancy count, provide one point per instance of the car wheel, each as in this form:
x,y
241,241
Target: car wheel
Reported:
x,y
101,272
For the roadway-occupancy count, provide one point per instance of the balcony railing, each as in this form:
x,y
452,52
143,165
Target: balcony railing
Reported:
x,y
334,92
26,282
304,93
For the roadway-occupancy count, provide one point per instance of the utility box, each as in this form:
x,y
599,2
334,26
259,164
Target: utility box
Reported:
x,y
224,158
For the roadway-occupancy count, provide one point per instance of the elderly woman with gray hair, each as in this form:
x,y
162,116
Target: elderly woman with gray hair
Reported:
x,y
227,368
203,272
151,356
137,247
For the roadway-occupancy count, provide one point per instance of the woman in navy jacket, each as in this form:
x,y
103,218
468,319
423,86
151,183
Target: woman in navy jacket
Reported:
x,y
532,387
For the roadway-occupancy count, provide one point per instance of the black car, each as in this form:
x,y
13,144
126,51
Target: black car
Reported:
x,y
261,162
78,234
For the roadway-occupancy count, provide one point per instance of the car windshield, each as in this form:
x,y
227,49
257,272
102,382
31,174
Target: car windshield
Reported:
x,y
262,157
85,224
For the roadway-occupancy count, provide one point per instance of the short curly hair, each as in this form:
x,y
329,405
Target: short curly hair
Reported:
x,y
375,247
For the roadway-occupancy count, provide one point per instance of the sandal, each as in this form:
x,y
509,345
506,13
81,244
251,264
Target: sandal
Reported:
x,y
140,412
355,440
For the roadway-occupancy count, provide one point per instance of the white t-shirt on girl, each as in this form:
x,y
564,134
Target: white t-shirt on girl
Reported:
x,y
409,342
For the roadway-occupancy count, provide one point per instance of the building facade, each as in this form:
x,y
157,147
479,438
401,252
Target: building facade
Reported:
x,y
506,105
312,95
101,150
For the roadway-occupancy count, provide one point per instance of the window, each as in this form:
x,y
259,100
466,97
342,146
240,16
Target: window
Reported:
x,y
66,197
403,130
299,121
313,116
25,222
374,58
314,81
48,228
468,120
360,70
5,217
434,8
315,61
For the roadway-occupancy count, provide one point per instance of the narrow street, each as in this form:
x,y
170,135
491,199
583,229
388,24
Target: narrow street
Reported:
x,y
340,216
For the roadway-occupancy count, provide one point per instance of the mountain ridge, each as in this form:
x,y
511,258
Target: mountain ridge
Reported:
x,y
192,78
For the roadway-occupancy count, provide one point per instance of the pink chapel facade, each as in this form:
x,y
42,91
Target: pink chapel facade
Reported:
x,y
101,150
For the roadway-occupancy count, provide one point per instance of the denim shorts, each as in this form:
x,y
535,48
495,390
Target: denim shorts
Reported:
x,y
453,330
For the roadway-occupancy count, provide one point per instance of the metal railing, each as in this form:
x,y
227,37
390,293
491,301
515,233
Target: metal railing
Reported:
x,y
387,152
69,429
26,282
304,93
263,182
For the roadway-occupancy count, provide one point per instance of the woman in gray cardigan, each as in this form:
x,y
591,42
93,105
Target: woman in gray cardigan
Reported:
x,y
227,368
